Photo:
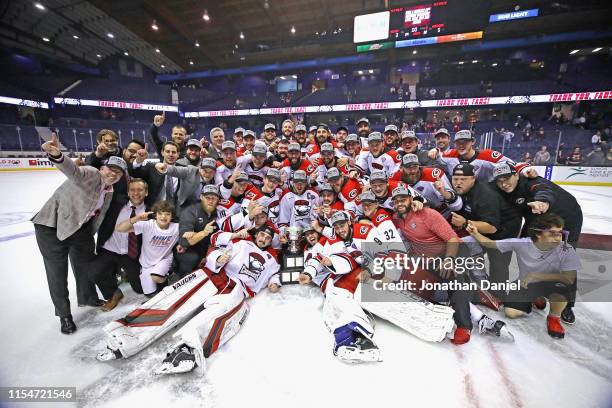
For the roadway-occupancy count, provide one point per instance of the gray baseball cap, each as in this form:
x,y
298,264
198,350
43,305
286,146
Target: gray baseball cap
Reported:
x,y
463,135
300,128
208,162
239,130
503,170
228,144
400,191
310,129
390,128
116,161
375,137
273,173
300,176
242,177
269,126
378,175
339,216
352,137
325,187
308,228
333,173
409,134
364,119
294,147
327,147
368,196
194,142
410,159
210,189
249,133
260,149
441,131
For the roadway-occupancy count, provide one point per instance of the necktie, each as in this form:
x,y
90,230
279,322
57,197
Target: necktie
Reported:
x,y
132,240
169,189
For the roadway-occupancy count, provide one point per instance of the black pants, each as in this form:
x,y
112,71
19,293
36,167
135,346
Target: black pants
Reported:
x,y
103,272
79,247
522,298
190,259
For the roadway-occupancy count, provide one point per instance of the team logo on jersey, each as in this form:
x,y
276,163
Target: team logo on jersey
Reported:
x,y
273,210
381,218
255,268
495,154
309,169
398,157
223,202
250,195
363,229
352,194
520,200
436,173
377,166
302,208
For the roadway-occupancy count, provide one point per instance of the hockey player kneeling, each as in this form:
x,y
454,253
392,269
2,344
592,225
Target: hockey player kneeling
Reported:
x,y
335,264
239,270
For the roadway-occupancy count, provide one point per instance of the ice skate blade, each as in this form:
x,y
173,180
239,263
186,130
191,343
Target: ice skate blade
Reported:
x,y
107,355
355,356
168,368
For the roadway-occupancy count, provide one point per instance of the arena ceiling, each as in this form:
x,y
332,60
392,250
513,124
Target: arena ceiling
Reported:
x,y
274,30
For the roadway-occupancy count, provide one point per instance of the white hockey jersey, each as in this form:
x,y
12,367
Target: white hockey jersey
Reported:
x,y
249,266
483,161
256,176
297,209
223,172
389,162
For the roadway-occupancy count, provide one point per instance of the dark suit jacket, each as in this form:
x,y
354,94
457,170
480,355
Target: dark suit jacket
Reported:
x,y
155,179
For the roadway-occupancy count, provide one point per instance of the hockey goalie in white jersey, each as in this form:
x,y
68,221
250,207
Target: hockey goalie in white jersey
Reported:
x,y
237,270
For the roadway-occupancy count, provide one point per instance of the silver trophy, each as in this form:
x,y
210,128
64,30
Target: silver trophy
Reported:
x,y
294,235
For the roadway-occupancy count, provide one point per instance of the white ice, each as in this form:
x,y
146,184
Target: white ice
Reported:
x,y
282,357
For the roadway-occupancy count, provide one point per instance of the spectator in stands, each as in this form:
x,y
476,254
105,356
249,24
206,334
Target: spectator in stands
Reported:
x,y
179,134
217,137
526,135
575,158
527,158
66,224
596,139
119,250
197,224
541,134
597,157
507,136
542,157
561,159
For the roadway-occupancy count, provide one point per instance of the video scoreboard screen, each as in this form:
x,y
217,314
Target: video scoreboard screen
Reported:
x,y
432,19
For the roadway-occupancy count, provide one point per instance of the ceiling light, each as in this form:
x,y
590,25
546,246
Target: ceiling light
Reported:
x,y
125,53
110,35
494,64
294,76
154,25
98,55
266,4
371,71
45,39
414,52
190,62
157,50
163,66
596,49
461,63
241,35
282,77
292,29
76,37
360,72
39,6
206,17
572,52
242,58
236,46
474,61
197,43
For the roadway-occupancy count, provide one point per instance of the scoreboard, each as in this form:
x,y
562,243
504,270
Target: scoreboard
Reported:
x,y
433,19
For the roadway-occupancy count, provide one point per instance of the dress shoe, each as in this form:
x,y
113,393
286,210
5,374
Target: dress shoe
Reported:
x,y
67,325
113,301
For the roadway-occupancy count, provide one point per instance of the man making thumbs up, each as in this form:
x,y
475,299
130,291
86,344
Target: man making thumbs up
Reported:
x,y
179,135
66,224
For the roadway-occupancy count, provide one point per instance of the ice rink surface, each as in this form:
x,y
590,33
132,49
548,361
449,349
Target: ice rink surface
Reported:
x,y
282,357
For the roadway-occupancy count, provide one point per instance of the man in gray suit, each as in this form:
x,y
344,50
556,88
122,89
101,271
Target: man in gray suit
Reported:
x,y
66,224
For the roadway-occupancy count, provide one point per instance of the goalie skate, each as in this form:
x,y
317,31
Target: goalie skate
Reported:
x,y
363,350
496,328
108,355
180,360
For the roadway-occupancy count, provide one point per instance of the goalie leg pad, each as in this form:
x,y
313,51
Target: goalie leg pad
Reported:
x,y
169,308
